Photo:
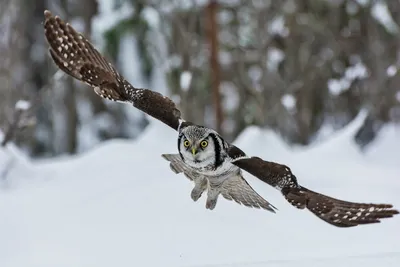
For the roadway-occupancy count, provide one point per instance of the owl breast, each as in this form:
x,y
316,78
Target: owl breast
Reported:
x,y
209,169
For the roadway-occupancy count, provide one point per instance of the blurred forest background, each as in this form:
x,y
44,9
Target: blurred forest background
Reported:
x,y
303,68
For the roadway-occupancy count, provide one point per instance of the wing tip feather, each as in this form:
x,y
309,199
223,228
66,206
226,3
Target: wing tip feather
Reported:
x,y
47,14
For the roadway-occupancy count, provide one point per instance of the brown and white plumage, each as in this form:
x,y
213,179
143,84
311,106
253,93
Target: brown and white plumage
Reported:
x,y
77,57
334,211
234,187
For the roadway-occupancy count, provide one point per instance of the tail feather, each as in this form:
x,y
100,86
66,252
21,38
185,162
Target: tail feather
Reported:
x,y
338,212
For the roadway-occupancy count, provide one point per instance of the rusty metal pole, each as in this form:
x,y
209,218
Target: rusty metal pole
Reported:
x,y
212,33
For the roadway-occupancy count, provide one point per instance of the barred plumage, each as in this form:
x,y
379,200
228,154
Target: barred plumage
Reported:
x,y
77,57
204,156
338,212
334,211
232,186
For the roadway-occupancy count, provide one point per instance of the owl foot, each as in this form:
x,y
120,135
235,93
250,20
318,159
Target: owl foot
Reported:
x,y
212,197
200,185
196,193
211,203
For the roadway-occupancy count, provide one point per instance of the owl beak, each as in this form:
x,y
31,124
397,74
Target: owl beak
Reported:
x,y
194,151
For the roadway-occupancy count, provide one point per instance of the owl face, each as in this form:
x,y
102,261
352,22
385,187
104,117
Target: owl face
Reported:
x,y
197,146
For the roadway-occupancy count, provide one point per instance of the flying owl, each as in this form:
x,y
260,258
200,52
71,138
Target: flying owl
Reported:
x,y
214,165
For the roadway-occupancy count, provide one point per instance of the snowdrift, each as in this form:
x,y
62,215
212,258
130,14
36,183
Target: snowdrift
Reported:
x,y
120,205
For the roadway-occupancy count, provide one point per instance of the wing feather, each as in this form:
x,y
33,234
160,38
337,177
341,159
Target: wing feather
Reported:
x,y
333,211
178,166
236,188
77,57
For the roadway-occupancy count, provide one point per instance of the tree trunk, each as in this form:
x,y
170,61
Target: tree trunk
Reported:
x,y
214,64
70,124
88,12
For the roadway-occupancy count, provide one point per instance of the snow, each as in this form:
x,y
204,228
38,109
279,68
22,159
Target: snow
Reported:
x,y
337,86
151,16
274,58
128,58
352,8
174,61
387,140
6,22
14,167
22,105
120,205
381,13
224,17
58,75
230,96
225,58
289,102
167,6
107,18
357,71
277,27
255,73
185,80
363,2
391,70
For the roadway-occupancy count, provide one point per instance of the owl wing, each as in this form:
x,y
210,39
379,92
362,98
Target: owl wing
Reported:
x,y
333,211
178,166
236,188
77,57
199,180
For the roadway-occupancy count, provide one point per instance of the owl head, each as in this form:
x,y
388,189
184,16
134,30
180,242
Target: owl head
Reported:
x,y
199,146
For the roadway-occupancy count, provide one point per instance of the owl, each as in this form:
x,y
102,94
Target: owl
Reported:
x,y
214,165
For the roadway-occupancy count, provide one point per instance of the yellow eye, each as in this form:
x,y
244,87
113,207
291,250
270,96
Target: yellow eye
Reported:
x,y
186,143
204,143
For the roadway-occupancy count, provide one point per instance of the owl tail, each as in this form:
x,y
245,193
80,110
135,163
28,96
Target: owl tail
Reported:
x,y
337,212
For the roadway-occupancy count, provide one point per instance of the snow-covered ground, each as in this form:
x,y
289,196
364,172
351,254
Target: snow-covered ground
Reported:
x,y
120,205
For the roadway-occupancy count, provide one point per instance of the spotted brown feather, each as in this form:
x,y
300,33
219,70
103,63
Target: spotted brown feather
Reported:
x,y
77,57
333,211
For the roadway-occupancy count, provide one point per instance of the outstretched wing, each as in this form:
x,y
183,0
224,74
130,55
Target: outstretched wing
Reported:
x,y
178,166
237,188
333,211
77,57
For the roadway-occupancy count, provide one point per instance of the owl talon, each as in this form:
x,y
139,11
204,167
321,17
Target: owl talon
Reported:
x,y
211,203
196,194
